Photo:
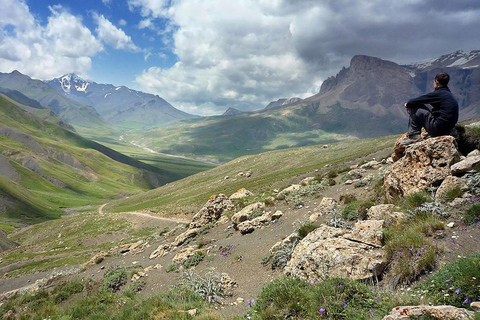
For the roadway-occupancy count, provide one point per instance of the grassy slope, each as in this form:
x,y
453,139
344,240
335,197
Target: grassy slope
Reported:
x,y
35,198
275,169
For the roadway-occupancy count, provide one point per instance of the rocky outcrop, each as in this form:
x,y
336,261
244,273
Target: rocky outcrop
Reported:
x,y
430,312
336,252
425,164
211,211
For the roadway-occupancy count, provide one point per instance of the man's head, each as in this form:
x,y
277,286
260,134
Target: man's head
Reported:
x,y
441,79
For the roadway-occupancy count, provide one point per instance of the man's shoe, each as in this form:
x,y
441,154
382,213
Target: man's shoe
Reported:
x,y
410,139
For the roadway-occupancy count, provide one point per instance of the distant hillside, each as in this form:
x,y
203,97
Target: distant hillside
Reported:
x,y
68,110
361,101
44,168
120,106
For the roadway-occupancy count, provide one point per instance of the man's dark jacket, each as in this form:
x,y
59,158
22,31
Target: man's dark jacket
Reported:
x,y
445,107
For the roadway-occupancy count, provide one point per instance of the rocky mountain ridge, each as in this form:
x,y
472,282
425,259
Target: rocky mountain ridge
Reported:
x,y
119,106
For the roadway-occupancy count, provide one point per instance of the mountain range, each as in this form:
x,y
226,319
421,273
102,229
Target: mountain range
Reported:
x,y
124,107
363,100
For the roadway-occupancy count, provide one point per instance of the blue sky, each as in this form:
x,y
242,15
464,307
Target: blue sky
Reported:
x,y
204,56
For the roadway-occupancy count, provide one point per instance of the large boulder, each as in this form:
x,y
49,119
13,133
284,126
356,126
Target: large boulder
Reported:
x,y
425,164
336,252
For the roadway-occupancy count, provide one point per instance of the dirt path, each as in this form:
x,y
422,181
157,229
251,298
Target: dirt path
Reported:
x,y
145,215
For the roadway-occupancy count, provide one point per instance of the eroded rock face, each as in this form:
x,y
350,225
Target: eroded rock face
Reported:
x,y
335,252
426,163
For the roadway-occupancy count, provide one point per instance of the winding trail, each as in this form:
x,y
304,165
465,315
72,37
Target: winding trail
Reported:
x,y
145,215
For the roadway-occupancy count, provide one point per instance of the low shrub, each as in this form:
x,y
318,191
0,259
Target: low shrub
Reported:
x,y
457,283
194,260
114,279
472,215
332,298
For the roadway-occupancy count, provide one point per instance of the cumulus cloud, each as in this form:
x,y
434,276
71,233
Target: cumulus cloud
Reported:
x,y
246,53
43,52
112,35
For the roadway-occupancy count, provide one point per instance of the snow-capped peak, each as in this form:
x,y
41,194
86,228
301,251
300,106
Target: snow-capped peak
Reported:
x,y
71,82
458,59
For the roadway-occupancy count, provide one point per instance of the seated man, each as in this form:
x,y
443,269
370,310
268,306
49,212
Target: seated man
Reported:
x,y
438,121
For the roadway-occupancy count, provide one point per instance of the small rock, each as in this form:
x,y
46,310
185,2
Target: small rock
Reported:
x,y
450,224
475,306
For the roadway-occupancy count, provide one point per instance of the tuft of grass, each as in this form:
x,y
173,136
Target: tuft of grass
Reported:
x,y
114,279
305,228
194,260
416,200
408,249
472,215
332,298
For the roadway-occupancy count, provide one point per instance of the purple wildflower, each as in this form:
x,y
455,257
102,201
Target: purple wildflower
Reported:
x,y
321,310
250,303
457,291
466,301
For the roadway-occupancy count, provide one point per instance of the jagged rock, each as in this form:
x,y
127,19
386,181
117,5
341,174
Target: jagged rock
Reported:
x,y
384,212
293,187
246,212
321,209
276,215
282,243
162,250
399,148
435,312
475,152
465,165
183,237
211,211
327,251
246,227
425,164
96,259
241,193
307,181
185,254
371,165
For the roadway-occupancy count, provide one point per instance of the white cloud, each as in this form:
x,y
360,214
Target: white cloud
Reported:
x,y
122,22
236,54
43,52
112,35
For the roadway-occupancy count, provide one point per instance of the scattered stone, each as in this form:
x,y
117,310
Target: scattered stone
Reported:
x,y
246,227
465,165
450,224
307,181
241,193
435,312
162,250
245,213
475,306
183,237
